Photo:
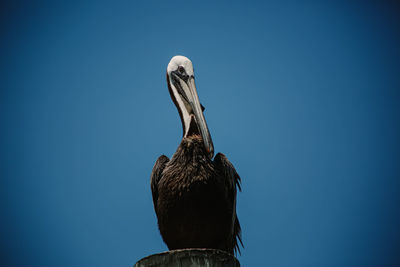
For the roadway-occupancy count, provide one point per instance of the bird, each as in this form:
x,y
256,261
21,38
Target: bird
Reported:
x,y
194,195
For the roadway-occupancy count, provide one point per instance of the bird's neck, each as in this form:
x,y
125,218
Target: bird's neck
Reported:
x,y
191,150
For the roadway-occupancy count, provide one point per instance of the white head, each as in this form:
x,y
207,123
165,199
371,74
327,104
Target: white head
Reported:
x,y
180,79
182,61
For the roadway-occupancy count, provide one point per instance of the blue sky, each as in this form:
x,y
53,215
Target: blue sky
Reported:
x,y
303,98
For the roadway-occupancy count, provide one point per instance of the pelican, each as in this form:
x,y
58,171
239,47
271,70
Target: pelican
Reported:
x,y
194,195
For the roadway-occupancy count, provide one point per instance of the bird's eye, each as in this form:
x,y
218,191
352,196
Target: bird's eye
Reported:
x,y
181,69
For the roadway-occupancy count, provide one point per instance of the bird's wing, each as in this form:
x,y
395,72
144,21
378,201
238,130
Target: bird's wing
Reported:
x,y
156,176
232,180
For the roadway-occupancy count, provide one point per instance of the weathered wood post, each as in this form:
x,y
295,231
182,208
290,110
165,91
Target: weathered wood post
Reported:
x,y
190,258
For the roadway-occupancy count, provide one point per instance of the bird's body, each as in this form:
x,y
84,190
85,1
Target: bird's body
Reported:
x,y
194,196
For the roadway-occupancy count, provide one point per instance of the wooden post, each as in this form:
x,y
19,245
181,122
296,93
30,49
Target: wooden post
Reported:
x,y
196,257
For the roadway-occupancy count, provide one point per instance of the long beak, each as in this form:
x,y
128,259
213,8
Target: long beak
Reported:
x,y
187,89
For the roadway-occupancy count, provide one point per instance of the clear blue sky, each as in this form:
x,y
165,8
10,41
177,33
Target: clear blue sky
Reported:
x,y
302,98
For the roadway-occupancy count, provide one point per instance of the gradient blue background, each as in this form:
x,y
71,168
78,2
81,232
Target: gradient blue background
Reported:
x,y
302,98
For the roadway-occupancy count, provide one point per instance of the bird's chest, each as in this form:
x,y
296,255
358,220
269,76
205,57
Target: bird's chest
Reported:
x,y
190,187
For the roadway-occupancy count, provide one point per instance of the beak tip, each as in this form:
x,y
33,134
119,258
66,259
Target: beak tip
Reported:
x,y
210,153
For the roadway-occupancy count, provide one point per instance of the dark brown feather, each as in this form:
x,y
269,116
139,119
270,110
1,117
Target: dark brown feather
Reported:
x,y
195,198
155,177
